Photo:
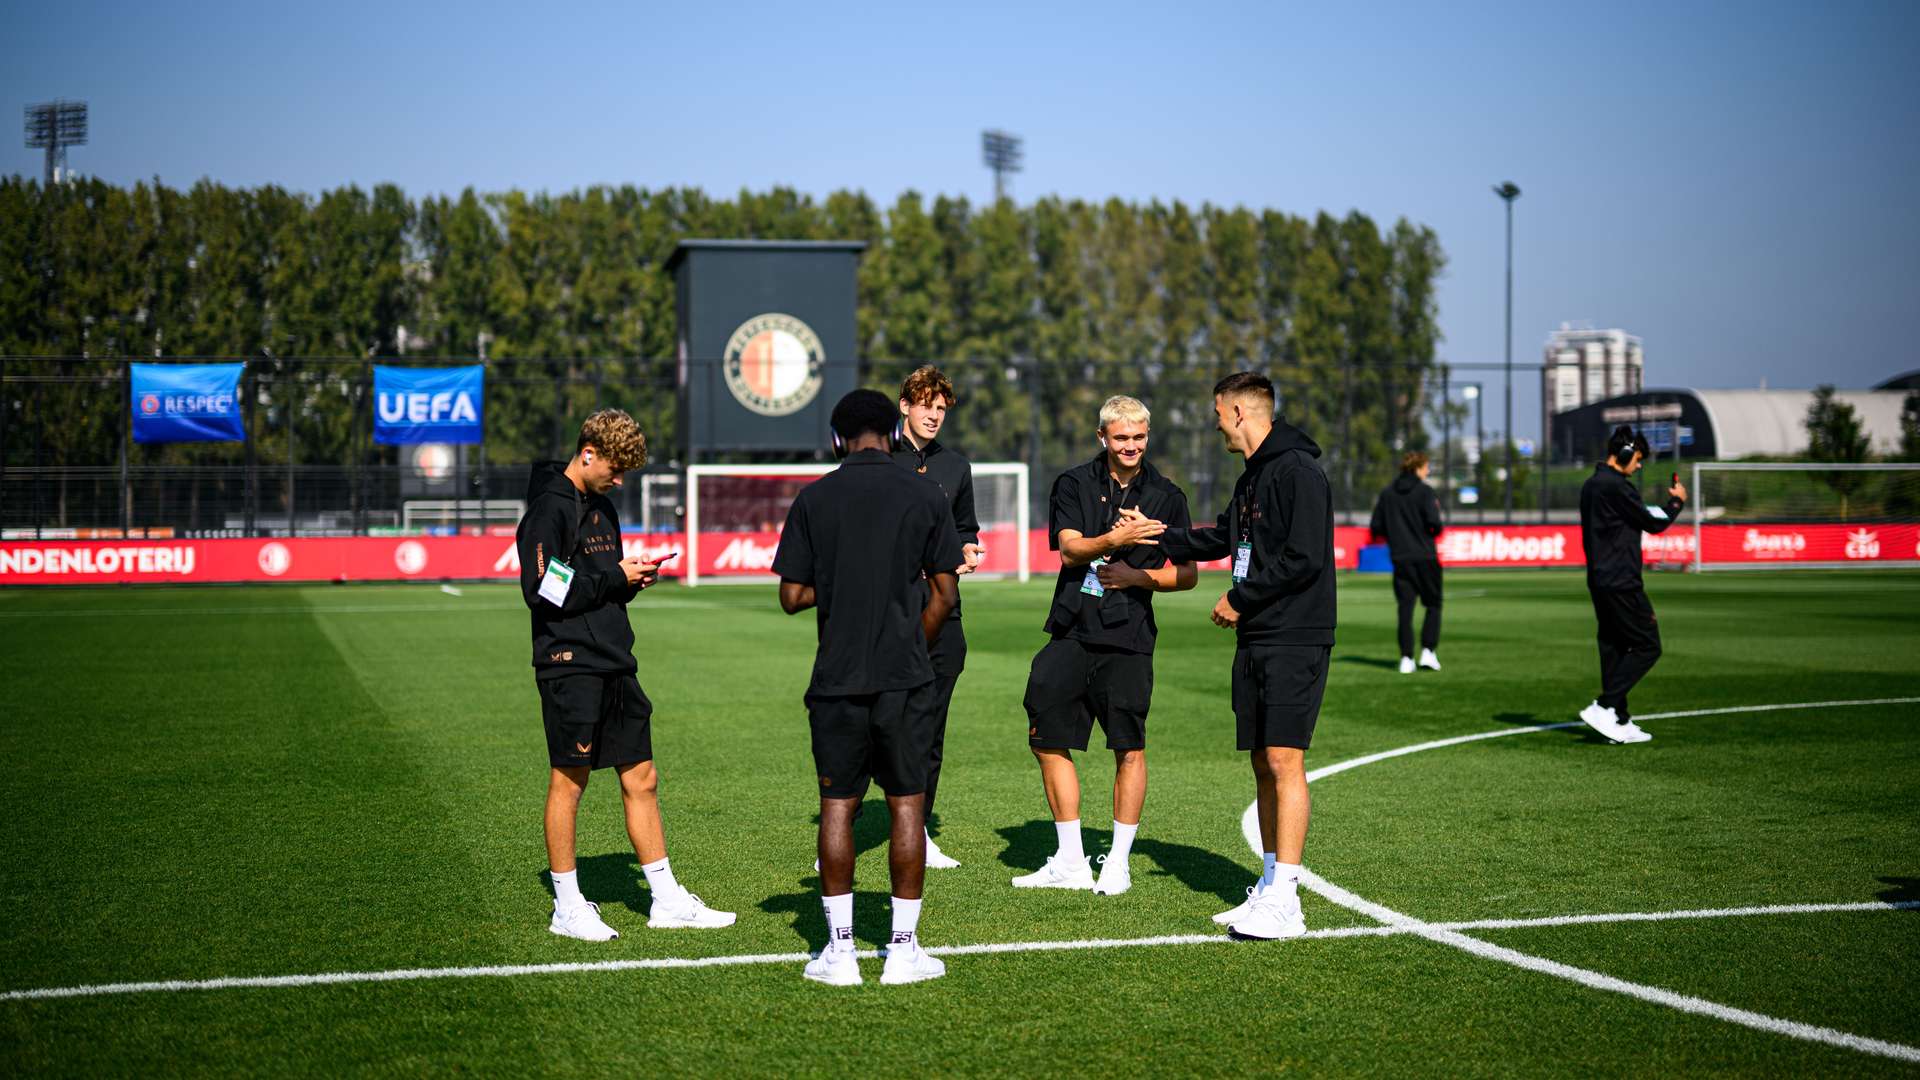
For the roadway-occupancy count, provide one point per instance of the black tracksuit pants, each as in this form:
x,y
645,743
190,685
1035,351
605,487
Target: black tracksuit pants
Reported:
x,y
1629,638
1418,579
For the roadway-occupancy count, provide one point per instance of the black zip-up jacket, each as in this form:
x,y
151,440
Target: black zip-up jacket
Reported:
x,y
589,632
1407,517
954,474
1612,517
1280,505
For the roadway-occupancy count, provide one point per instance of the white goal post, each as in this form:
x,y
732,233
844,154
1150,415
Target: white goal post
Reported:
x,y
734,514
1768,515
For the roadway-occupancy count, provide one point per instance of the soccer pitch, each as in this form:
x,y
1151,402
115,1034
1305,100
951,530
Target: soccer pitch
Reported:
x,y
252,783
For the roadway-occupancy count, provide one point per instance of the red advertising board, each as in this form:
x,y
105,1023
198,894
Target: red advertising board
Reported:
x,y
434,558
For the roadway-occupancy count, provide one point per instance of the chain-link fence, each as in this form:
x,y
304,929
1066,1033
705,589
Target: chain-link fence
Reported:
x,y
310,467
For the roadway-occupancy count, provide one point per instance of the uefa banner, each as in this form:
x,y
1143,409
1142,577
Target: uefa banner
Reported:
x,y
428,405
186,402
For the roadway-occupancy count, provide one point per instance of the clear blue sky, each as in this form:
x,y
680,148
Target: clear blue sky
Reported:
x,y
1736,182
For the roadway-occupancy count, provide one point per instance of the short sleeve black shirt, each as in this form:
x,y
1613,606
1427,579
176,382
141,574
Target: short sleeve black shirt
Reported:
x,y
1088,500
863,536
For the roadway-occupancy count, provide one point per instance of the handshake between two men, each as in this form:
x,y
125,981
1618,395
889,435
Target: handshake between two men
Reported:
x,y
1135,527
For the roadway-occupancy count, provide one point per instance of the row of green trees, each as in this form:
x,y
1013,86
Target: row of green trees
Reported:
x,y
1079,296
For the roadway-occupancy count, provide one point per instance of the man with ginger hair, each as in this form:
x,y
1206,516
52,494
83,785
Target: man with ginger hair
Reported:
x,y
577,587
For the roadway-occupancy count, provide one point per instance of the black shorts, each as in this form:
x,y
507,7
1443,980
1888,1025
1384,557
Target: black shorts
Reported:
x,y
885,737
1276,693
594,721
1072,684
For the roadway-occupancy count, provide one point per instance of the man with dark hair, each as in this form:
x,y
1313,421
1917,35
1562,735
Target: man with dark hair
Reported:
x,y
577,587
873,548
925,398
1612,517
1407,517
1099,663
1278,528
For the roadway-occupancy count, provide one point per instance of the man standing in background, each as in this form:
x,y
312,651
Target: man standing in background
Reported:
x,y
925,398
1407,517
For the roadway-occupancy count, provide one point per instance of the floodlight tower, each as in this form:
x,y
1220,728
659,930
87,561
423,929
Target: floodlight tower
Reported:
x,y
1509,191
1002,153
54,126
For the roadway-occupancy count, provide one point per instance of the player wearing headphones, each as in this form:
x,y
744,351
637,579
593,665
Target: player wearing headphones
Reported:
x,y
1612,517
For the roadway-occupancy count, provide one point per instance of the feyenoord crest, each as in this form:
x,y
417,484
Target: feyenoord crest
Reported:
x,y
774,364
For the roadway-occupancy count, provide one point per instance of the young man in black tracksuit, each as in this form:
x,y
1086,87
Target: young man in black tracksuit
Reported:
x,y
1407,517
925,398
1278,529
1099,663
872,548
577,587
1612,517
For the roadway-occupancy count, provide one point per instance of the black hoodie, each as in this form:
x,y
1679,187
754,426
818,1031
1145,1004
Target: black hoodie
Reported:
x,y
1407,516
1281,505
589,632
1612,517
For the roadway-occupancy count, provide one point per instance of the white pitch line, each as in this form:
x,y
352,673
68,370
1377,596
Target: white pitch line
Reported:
x,y
268,982
1449,934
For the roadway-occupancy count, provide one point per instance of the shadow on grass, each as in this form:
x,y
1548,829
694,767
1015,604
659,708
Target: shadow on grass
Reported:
x,y
1030,844
609,879
872,915
1905,890
1579,733
1390,665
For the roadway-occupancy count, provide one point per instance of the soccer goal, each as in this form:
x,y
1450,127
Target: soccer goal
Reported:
x,y
734,514
1769,515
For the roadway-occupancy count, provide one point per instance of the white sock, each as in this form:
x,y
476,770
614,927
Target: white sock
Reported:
x,y
906,921
566,889
1069,833
1267,864
1287,877
839,921
931,846
1122,841
660,880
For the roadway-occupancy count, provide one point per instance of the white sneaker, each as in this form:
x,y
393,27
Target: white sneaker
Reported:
x,y
686,912
1609,725
1428,660
1406,665
835,967
1271,915
581,922
937,859
1235,913
1115,878
910,964
1059,873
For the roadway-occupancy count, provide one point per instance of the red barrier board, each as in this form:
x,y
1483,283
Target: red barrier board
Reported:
x,y
433,558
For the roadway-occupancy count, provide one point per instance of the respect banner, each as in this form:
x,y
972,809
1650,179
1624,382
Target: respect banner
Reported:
x,y
428,405
186,402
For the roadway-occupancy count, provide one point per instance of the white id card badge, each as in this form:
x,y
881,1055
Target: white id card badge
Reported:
x,y
1091,583
1242,561
553,587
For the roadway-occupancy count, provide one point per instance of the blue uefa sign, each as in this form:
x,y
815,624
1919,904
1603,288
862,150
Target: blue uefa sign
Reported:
x,y
186,403
423,405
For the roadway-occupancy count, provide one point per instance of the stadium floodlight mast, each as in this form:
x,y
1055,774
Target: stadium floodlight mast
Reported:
x,y
53,126
1002,153
1509,191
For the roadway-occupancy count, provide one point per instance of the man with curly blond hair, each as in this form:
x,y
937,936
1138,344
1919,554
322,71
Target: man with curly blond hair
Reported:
x,y
577,586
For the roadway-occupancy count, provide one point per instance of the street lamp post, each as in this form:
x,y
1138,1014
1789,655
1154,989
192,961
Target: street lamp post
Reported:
x,y
1509,191
1472,392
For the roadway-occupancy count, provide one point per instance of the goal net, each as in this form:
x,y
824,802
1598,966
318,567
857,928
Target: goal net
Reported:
x,y
1759,515
734,514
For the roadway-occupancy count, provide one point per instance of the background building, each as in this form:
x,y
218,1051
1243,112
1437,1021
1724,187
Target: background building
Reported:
x,y
1722,425
1584,365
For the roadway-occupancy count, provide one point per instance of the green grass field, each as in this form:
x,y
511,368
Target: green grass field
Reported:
x,y
293,781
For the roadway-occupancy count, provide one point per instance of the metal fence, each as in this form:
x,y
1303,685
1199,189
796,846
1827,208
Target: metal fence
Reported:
x,y
309,467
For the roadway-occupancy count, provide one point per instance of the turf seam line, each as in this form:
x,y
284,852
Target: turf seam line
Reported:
x,y
1449,935
990,948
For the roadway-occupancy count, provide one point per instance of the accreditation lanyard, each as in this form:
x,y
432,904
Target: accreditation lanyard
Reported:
x,y
1243,554
1116,500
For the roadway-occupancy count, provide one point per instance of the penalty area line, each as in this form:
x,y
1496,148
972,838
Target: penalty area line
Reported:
x,y
268,982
